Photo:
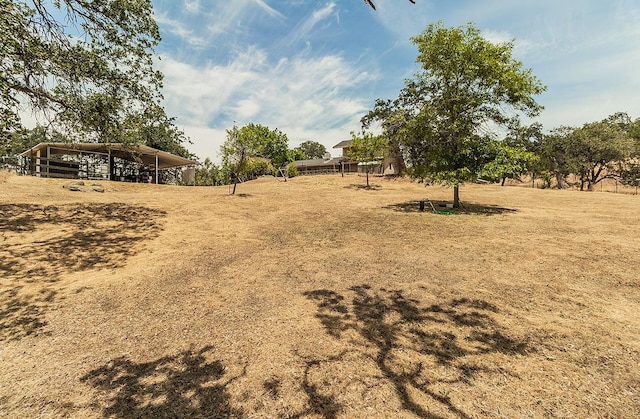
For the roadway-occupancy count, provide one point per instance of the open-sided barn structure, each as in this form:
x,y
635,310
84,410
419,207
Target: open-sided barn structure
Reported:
x,y
113,161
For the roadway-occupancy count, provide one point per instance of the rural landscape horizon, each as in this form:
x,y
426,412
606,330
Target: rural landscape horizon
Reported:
x,y
319,209
317,297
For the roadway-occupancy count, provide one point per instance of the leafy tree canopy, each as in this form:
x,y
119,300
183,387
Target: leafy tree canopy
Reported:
x,y
592,152
443,116
634,132
508,162
367,148
297,154
253,150
18,141
311,150
86,66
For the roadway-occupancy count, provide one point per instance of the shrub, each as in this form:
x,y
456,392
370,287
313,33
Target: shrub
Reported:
x,y
292,170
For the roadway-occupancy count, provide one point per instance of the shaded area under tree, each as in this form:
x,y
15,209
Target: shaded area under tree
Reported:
x,y
41,243
405,340
188,384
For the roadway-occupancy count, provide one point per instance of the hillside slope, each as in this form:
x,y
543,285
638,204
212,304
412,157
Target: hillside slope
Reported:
x,y
317,298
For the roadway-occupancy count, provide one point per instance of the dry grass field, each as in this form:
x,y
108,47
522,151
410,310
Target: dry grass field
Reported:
x,y
317,298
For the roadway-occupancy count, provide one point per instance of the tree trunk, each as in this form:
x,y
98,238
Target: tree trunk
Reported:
x,y
367,177
560,180
397,159
234,188
456,197
556,171
504,179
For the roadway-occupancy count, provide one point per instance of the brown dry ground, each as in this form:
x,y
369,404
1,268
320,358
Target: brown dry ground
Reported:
x,y
317,298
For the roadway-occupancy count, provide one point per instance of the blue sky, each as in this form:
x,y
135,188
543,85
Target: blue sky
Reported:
x,y
314,68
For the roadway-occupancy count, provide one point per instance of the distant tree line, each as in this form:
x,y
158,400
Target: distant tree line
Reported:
x,y
442,126
256,150
591,153
565,157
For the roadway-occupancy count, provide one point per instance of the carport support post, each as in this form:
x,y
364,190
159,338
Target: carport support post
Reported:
x,y
48,158
156,168
112,167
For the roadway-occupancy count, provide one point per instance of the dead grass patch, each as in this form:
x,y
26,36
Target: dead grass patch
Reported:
x,y
315,298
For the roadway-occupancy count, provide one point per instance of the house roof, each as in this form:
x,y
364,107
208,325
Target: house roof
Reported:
x,y
343,144
138,153
318,162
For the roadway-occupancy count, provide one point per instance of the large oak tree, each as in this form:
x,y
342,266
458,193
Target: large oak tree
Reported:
x,y
445,116
87,66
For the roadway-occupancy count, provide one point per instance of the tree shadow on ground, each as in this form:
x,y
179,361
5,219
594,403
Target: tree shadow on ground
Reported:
x,y
87,236
405,341
371,187
184,385
42,243
474,209
319,403
22,314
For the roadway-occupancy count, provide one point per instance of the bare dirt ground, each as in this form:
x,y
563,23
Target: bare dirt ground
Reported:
x,y
317,298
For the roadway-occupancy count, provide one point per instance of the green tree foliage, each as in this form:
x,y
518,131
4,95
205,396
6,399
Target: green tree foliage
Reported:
x,y
526,136
292,170
442,117
23,139
599,145
634,133
311,150
154,128
630,173
556,155
593,152
508,162
273,145
368,148
529,138
296,154
266,143
236,150
208,174
12,143
86,66
259,166
254,150
394,121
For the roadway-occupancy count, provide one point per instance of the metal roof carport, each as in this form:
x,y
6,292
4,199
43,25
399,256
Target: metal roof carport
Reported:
x,y
148,156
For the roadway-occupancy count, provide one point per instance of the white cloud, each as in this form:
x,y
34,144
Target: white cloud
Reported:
x,y
497,37
179,29
271,11
206,141
247,108
301,31
192,6
232,16
196,94
301,96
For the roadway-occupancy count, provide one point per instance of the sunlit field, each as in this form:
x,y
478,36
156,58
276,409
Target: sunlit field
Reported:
x,y
318,297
